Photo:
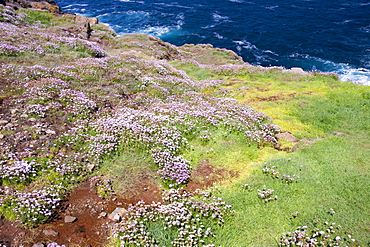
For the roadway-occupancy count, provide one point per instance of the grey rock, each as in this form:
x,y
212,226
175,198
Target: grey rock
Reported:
x,y
3,122
50,132
117,214
9,125
32,119
50,233
103,215
39,245
70,219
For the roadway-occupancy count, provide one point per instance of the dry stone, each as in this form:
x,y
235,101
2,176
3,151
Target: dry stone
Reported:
x,y
287,137
38,245
117,214
70,219
51,233
103,215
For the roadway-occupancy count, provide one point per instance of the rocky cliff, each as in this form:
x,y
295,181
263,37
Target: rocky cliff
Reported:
x,y
49,5
83,26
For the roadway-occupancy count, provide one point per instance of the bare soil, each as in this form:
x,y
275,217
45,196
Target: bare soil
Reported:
x,y
90,229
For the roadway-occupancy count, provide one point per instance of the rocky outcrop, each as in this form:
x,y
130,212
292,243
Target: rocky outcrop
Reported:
x,y
84,25
49,5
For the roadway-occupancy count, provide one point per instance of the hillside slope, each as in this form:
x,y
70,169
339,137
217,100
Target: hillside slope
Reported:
x,y
122,132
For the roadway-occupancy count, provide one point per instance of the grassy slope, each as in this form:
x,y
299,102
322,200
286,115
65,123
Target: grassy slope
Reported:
x,y
333,167
333,171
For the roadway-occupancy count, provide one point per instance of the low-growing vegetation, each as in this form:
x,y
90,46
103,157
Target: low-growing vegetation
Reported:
x,y
118,112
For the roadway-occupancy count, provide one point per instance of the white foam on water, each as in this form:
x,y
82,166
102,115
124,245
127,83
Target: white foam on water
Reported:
x,y
236,1
359,76
346,72
218,18
261,56
217,35
158,30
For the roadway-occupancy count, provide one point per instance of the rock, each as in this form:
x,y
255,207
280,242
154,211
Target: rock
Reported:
x,y
286,136
49,5
50,233
297,70
39,245
43,137
24,116
32,119
103,215
45,6
83,19
3,122
83,26
13,111
90,167
50,132
9,125
1,136
117,214
70,219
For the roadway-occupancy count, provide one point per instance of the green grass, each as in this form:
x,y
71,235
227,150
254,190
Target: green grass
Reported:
x,y
334,171
193,70
129,171
330,177
229,151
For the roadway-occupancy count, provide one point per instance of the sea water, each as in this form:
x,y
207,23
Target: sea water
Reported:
x,y
316,35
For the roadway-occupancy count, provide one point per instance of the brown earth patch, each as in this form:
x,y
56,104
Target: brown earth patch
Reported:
x,y
11,233
206,175
90,228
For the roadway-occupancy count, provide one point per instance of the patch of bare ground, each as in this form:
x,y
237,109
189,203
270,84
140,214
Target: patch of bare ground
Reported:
x,y
92,225
206,175
11,233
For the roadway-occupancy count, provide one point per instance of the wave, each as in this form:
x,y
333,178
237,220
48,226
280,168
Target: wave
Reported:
x,y
259,55
219,36
157,30
346,72
76,4
359,76
220,18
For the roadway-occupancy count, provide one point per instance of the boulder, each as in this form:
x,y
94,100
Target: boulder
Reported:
x,y
82,26
117,214
287,137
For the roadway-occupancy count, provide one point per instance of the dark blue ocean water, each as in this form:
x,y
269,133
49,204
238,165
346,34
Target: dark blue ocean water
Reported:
x,y
330,35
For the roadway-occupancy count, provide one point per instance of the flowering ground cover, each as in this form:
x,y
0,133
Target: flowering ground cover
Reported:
x,y
118,112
